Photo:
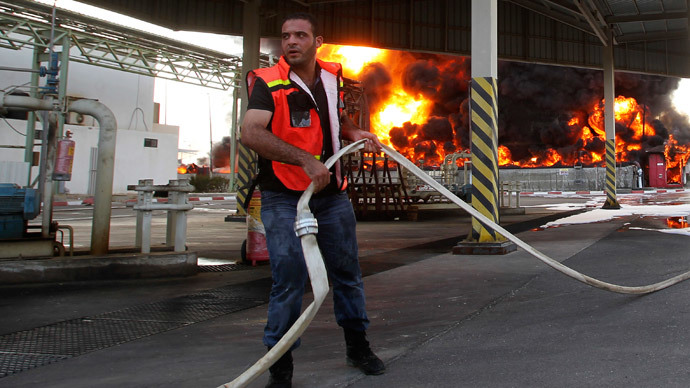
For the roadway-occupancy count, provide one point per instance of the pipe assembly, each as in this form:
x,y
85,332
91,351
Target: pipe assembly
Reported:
x,y
107,123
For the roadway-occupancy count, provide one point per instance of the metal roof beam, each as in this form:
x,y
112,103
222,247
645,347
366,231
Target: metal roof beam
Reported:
x,y
653,36
590,15
598,11
28,24
569,17
646,17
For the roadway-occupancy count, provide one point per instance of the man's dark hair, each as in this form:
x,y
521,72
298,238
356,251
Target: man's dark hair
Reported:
x,y
303,16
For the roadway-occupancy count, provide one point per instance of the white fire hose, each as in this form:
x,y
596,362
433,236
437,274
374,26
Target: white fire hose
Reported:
x,y
306,228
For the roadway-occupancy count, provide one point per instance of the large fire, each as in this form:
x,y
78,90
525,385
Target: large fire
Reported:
x,y
399,106
412,111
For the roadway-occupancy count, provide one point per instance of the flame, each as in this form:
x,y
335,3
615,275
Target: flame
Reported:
x,y
188,168
353,58
410,113
676,222
504,156
400,107
676,158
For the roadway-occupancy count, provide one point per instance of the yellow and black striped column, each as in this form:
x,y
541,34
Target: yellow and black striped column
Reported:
x,y
611,200
246,171
484,116
610,122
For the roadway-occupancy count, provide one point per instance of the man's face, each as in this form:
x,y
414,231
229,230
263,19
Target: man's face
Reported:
x,y
298,42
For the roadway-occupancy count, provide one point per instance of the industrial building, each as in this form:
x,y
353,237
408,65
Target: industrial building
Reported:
x,y
141,142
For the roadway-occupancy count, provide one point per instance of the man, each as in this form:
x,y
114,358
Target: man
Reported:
x,y
295,121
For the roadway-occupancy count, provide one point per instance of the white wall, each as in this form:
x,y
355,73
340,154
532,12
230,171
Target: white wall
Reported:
x,y
129,97
122,92
133,161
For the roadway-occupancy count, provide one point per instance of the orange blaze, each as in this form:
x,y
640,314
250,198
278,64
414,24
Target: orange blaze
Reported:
x,y
676,158
677,222
400,107
411,112
504,156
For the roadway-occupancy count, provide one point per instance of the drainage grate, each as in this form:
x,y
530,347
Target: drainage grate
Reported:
x,y
223,268
44,345
19,362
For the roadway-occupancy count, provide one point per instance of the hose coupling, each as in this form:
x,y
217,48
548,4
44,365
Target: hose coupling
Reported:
x,y
305,223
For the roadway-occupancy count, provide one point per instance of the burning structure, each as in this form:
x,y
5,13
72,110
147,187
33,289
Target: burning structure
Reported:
x,y
548,116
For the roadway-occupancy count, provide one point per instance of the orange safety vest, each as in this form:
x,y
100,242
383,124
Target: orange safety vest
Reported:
x,y
306,134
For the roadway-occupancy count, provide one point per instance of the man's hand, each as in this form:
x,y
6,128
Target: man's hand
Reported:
x,y
372,144
317,172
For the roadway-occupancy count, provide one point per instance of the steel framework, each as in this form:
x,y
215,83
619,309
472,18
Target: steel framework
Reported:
x,y
97,42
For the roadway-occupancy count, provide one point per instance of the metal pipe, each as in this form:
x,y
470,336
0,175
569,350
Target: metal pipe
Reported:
x,y
164,206
100,234
29,103
19,69
71,238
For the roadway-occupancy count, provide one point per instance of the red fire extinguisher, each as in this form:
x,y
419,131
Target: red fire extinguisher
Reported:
x,y
64,159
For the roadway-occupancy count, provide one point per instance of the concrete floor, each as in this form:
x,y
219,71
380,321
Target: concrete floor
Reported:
x,y
438,320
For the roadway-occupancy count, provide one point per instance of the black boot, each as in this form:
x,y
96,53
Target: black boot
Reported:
x,y
359,353
281,372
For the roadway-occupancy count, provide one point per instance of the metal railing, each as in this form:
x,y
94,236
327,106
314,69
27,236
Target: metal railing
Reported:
x,y
508,189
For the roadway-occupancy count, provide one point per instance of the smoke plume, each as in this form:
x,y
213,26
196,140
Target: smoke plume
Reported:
x,y
540,108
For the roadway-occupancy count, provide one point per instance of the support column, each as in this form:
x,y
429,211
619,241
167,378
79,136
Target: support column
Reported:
x,y
610,123
62,98
233,140
484,115
51,127
31,119
251,40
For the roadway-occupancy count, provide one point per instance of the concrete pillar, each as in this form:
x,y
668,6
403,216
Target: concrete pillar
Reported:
x,y
610,123
251,40
484,38
484,115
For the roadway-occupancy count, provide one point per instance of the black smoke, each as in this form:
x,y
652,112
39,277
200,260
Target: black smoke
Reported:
x,y
221,153
536,104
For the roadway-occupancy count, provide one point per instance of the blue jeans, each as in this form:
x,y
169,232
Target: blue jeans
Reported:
x,y
338,244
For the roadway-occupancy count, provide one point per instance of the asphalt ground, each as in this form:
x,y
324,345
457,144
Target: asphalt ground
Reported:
x,y
438,320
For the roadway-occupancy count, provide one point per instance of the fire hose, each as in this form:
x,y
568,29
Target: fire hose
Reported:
x,y
306,228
